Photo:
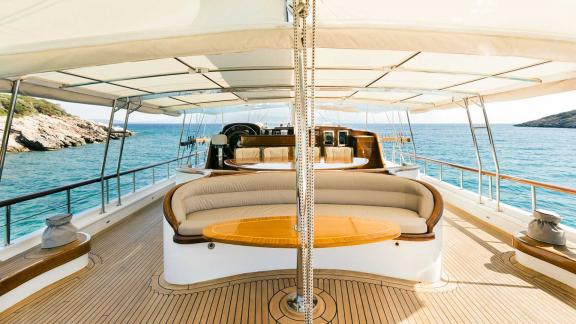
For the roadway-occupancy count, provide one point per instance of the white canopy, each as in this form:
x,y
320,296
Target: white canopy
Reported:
x,y
179,55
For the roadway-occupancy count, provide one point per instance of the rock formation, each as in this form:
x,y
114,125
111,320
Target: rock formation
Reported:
x,y
562,120
42,126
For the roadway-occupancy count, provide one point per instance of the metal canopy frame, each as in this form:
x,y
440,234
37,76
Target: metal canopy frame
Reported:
x,y
486,125
408,101
4,149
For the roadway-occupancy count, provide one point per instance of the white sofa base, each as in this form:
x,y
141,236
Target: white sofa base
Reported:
x,y
192,263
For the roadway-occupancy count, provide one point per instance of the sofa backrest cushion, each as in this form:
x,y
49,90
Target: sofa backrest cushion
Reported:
x,y
247,154
332,187
276,154
341,154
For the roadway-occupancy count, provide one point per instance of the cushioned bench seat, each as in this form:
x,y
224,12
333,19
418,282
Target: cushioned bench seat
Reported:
x,y
190,207
415,206
409,221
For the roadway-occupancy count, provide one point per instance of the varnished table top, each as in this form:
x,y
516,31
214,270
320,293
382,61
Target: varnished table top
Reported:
x,y
357,162
279,231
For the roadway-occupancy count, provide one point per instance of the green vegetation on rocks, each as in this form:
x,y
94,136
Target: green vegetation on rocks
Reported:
x,y
27,106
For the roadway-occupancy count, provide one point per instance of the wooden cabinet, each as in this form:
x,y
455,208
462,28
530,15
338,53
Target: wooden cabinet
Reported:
x,y
364,146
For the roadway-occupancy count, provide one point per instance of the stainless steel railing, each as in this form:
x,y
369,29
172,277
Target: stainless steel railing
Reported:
x,y
534,185
67,189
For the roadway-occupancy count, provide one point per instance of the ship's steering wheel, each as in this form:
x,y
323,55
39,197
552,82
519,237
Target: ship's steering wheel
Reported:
x,y
234,133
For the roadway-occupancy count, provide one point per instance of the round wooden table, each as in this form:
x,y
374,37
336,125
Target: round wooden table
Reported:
x,y
356,163
280,232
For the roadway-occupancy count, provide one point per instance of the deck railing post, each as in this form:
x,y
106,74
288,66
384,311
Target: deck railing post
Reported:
x,y
425,167
461,179
475,141
7,221
153,175
107,191
533,194
133,181
68,202
168,170
8,124
103,186
493,149
490,188
441,172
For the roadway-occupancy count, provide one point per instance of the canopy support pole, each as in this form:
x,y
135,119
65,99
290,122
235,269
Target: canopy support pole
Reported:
x,y
124,132
475,141
493,149
411,137
8,126
103,166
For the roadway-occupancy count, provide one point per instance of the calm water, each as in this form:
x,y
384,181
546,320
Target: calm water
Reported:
x,y
535,153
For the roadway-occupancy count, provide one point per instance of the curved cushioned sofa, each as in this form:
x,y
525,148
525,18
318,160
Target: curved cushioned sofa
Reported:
x,y
415,206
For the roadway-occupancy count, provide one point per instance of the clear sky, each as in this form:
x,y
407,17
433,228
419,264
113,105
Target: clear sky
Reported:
x,y
509,112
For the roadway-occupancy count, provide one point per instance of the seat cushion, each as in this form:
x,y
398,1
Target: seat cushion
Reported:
x,y
247,154
276,154
409,221
338,154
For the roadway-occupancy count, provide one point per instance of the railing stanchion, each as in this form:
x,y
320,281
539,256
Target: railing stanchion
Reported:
x,y
533,194
461,179
196,159
153,175
7,222
107,191
133,181
168,170
425,167
441,173
490,188
68,202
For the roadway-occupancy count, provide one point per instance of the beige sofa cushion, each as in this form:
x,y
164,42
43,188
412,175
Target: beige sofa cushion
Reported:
x,y
247,154
338,154
409,221
359,190
276,154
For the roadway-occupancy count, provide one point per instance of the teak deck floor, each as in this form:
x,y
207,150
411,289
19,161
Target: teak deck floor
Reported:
x,y
123,284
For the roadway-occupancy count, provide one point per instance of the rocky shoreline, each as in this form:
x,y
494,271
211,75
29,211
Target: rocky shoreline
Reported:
x,y
45,126
561,120
48,133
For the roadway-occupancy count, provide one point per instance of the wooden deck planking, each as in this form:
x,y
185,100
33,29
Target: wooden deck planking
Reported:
x,y
122,285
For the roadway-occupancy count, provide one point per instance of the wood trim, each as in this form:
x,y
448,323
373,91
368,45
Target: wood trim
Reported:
x,y
188,239
417,237
167,207
436,215
560,256
32,263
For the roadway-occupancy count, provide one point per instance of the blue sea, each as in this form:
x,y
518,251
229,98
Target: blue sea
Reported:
x,y
541,154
